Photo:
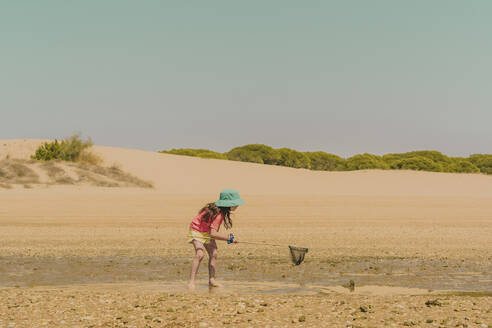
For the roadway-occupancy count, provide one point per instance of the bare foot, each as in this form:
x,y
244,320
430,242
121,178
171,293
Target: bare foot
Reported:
x,y
191,287
213,283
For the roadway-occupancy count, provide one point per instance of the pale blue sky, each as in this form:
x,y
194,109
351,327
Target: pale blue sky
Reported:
x,y
340,76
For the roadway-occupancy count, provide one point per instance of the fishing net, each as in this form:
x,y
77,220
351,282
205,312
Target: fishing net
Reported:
x,y
297,254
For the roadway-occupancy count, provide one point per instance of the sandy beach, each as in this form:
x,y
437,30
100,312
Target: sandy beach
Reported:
x,y
81,256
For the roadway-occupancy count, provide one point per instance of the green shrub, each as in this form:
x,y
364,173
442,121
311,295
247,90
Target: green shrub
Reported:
x,y
482,161
418,163
445,163
74,146
203,153
322,161
392,158
48,151
432,155
67,150
460,165
254,153
365,161
245,156
293,158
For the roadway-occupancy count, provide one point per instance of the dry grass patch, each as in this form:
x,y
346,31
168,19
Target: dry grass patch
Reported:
x,y
56,174
87,177
108,176
101,176
89,157
115,173
17,172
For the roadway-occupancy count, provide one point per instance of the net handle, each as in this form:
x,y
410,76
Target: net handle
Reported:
x,y
261,243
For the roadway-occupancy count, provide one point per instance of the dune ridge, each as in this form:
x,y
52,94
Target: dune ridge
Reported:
x,y
174,174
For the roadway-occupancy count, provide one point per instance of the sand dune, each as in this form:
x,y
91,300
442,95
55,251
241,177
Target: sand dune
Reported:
x,y
174,174
182,174
124,247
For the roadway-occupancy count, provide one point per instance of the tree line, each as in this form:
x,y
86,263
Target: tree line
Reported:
x,y
424,160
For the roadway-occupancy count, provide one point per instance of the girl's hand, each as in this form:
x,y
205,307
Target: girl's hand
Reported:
x,y
235,240
219,236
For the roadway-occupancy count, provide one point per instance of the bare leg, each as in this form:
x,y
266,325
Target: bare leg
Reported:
x,y
195,264
212,260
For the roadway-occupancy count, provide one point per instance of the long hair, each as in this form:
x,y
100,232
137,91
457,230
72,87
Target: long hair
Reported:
x,y
211,211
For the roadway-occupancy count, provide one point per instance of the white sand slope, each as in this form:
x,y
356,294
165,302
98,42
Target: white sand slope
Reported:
x,y
172,174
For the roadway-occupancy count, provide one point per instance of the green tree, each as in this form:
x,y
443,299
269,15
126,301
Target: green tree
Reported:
x,y
432,155
322,161
418,163
292,158
462,165
365,161
483,162
203,153
423,160
255,153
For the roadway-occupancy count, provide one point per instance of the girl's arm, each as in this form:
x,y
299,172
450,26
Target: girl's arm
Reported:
x,y
218,236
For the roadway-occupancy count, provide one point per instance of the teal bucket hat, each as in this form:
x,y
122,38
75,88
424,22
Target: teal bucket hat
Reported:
x,y
229,198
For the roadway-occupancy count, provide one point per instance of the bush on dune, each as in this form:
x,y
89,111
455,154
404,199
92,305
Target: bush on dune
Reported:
x,y
48,151
257,153
461,165
431,155
417,163
438,158
430,160
366,161
254,153
203,153
293,158
322,161
70,149
482,161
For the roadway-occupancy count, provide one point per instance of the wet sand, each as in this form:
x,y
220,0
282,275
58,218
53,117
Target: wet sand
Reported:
x,y
100,243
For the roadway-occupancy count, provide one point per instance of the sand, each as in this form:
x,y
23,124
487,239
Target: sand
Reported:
x,y
132,306
115,257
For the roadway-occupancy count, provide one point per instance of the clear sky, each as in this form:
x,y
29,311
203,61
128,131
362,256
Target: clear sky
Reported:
x,y
342,76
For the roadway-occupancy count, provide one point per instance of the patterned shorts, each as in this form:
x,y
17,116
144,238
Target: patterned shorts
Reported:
x,y
203,237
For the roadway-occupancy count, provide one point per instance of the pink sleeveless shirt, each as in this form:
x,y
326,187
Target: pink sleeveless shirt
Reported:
x,y
200,224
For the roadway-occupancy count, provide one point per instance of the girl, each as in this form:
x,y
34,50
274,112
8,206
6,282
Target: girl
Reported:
x,y
204,230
